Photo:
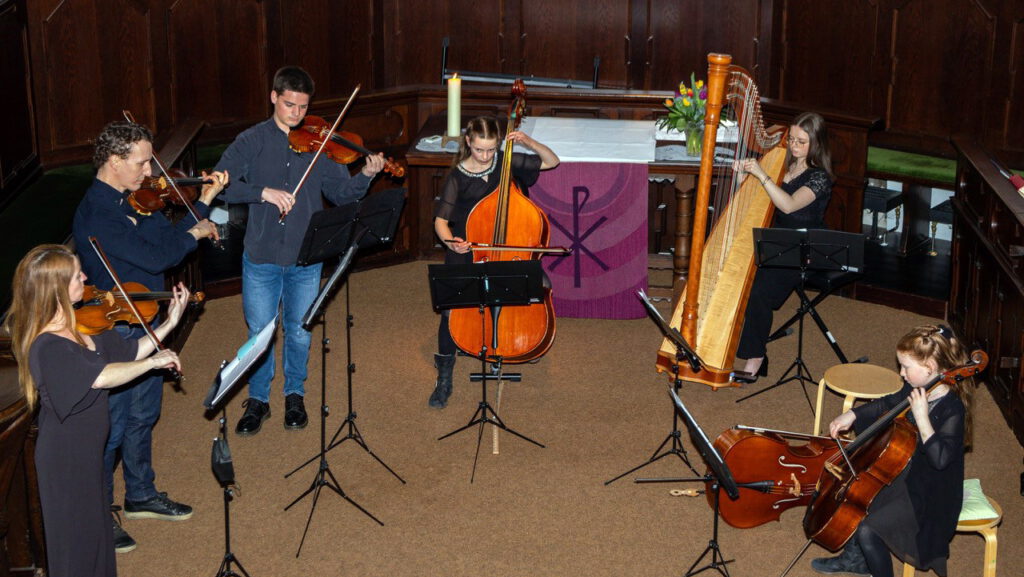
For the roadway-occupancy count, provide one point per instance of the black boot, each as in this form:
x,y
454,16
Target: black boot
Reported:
x,y
849,562
445,364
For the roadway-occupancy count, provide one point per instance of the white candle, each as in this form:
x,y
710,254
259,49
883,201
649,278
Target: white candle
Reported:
x,y
454,106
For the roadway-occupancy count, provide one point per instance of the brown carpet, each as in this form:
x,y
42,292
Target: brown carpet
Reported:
x,y
594,400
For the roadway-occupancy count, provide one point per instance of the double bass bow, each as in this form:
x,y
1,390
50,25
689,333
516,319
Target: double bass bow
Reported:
x,y
514,229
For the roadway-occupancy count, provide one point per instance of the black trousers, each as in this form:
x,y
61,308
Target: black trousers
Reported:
x,y
771,288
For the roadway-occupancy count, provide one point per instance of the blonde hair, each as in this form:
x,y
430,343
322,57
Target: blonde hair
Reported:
x,y
937,343
40,289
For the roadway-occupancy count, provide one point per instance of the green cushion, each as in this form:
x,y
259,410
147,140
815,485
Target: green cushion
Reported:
x,y
911,165
976,505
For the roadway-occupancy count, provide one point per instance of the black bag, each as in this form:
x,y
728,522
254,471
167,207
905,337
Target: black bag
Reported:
x,y
220,461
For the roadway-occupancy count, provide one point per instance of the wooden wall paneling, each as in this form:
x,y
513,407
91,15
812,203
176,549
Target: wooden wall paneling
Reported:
x,y
217,60
825,64
562,40
332,41
18,158
942,54
90,61
684,32
1009,79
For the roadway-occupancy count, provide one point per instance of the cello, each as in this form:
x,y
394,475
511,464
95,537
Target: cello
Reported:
x,y
507,218
851,480
787,471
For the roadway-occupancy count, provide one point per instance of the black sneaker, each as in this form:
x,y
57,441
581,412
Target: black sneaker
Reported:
x,y
159,507
123,542
256,412
295,412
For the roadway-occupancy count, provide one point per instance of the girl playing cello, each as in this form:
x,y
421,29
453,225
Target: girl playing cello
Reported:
x,y
915,517
475,174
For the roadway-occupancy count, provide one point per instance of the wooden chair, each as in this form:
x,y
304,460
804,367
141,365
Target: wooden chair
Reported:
x,y
987,529
856,381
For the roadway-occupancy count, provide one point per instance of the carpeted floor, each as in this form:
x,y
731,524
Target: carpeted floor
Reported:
x,y
595,401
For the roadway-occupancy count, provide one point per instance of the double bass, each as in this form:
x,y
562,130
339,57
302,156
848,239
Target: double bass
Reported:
x,y
507,219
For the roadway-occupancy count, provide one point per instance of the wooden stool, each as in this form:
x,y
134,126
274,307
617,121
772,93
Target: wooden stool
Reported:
x,y
856,381
987,529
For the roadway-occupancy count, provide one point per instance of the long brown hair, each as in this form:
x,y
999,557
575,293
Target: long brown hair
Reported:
x,y
818,152
480,127
937,344
40,289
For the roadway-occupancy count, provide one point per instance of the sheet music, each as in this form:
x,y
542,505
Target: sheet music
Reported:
x,y
246,356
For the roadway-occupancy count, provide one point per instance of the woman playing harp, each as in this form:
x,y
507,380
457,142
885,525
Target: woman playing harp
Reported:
x,y
800,199
710,311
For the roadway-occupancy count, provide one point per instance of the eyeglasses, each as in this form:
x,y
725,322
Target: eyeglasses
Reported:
x,y
794,140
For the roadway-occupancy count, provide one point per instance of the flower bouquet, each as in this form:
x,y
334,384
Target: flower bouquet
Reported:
x,y
686,113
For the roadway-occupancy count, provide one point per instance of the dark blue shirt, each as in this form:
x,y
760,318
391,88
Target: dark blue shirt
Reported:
x,y
259,158
140,248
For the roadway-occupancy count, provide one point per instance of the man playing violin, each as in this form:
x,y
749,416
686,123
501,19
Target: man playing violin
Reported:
x,y
140,247
266,172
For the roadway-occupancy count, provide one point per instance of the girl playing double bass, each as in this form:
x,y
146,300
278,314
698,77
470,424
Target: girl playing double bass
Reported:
x,y
475,173
915,517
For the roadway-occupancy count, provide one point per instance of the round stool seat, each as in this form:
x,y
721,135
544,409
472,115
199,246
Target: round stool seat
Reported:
x,y
856,381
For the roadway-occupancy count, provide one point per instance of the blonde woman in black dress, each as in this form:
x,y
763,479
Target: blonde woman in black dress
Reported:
x,y
67,374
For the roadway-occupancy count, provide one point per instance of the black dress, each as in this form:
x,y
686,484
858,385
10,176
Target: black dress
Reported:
x,y
917,514
772,286
461,192
73,426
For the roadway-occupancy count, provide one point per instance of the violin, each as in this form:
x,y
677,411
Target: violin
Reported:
x,y
157,191
100,310
341,147
131,304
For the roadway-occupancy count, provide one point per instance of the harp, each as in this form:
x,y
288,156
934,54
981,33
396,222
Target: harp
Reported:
x,y
710,311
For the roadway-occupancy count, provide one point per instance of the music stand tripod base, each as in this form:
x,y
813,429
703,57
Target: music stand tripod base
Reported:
x,y
486,285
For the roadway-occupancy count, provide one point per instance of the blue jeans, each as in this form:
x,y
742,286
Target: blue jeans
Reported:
x,y
134,410
265,288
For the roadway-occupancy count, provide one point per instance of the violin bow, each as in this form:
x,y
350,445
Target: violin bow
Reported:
x,y
170,180
131,304
323,143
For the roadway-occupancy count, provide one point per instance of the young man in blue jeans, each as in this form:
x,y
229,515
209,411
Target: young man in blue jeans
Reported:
x,y
265,171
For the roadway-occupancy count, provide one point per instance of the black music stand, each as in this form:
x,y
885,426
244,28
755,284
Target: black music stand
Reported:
x,y
220,458
330,233
805,250
488,285
719,477
683,354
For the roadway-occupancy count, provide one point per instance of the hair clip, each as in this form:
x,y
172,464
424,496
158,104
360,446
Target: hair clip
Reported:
x,y
946,332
